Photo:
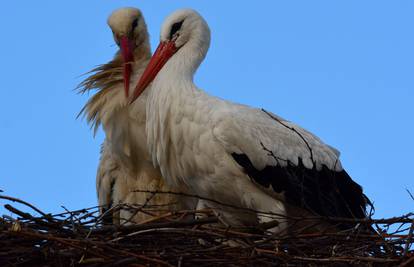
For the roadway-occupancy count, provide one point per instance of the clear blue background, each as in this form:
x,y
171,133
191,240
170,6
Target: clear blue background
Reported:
x,y
342,69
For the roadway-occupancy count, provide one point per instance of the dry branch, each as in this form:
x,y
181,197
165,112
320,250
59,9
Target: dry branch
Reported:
x,y
78,238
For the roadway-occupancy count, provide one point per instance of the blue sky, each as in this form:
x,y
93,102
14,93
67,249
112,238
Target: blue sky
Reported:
x,y
341,69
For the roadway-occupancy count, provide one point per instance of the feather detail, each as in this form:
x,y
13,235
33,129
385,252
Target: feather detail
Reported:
x,y
103,78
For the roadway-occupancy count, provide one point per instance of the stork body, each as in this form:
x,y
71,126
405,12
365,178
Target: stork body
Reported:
x,y
235,154
125,166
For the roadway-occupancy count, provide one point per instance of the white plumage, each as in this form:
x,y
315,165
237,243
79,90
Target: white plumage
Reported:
x,y
232,153
125,167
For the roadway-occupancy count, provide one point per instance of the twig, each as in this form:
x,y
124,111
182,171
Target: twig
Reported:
x,y
409,237
137,227
294,130
173,239
311,218
26,204
411,195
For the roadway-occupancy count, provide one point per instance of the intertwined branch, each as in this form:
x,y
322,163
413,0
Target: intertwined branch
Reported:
x,y
79,237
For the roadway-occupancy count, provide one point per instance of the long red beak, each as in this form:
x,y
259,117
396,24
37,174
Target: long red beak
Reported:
x,y
126,51
165,51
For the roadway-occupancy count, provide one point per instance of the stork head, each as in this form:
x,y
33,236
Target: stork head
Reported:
x,y
183,29
130,31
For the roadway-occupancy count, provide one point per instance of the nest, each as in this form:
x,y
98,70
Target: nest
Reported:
x,y
80,238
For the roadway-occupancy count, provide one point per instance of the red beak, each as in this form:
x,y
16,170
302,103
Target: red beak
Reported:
x,y
126,51
164,52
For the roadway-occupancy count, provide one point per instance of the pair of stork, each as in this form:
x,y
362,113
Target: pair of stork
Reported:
x,y
247,164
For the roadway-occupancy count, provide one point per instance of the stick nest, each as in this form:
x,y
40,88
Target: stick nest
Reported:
x,y
80,238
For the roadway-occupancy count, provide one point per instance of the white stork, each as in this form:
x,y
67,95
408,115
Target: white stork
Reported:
x,y
125,164
231,153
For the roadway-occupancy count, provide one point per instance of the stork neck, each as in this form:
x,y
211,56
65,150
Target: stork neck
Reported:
x,y
142,51
184,63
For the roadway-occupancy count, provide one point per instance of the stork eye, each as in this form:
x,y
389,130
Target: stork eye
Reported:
x,y
134,23
175,28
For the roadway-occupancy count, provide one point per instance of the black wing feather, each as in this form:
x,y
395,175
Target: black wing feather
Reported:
x,y
323,192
